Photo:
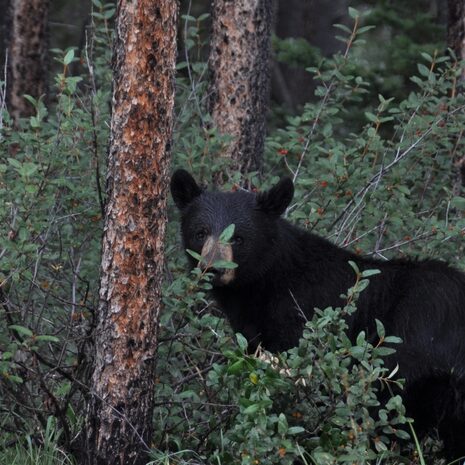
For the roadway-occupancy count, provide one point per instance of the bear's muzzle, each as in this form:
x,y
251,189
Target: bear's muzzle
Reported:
x,y
214,251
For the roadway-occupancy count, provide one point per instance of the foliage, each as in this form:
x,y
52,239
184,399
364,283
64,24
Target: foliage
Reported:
x,y
315,402
42,450
406,29
384,186
296,52
197,144
50,221
386,189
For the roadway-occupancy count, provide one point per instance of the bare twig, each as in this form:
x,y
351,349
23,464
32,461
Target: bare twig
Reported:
x,y
94,116
3,86
329,89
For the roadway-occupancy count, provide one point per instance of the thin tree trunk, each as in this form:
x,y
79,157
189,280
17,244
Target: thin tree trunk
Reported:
x,y
313,21
456,41
240,78
456,29
4,27
27,53
119,422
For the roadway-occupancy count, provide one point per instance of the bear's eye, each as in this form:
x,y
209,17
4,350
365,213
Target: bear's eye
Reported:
x,y
237,240
201,235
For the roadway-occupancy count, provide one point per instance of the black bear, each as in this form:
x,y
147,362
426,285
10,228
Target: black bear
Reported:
x,y
283,270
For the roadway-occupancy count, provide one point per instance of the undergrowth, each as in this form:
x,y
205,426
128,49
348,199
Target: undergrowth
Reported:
x,y
384,187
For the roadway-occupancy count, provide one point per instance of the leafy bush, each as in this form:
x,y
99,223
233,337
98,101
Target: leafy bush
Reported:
x,y
317,402
42,449
385,187
50,233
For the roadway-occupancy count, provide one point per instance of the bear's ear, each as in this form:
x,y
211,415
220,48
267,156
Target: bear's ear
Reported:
x,y
184,189
278,198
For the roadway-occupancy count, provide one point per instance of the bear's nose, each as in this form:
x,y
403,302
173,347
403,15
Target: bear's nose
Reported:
x,y
214,251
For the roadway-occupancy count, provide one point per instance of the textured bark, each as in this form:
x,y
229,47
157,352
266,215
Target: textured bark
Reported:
x,y
456,29
119,422
456,41
313,21
4,27
239,69
27,52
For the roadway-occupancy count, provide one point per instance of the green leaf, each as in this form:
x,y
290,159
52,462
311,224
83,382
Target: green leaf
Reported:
x,y
188,18
380,446
35,122
241,342
109,13
458,202
357,352
393,340
194,254
404,189
365,29
47,338
14,163
69,57
236,367
427,57
343,27
226,235
361,338
371,117
354,266
385,351
31,99
15,379
251,409
368,273
21,330
380,329
423,70
181,65
282,424
295,430
323,458
353,13
71,415
224,264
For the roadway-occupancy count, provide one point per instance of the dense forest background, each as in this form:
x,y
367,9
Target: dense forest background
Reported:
x,y
365,112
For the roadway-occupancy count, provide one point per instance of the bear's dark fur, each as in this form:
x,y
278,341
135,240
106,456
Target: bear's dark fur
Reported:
x,y
283,270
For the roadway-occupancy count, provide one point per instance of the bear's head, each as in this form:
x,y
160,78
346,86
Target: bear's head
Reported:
x,y
205,214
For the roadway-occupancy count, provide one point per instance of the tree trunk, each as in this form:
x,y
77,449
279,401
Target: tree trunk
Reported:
x,y
119,422
27,52
456,29
4,20
313,21
456,41
239,86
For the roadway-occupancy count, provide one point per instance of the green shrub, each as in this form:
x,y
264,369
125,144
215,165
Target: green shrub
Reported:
x,y
51,179
385,187
41,449
317,402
